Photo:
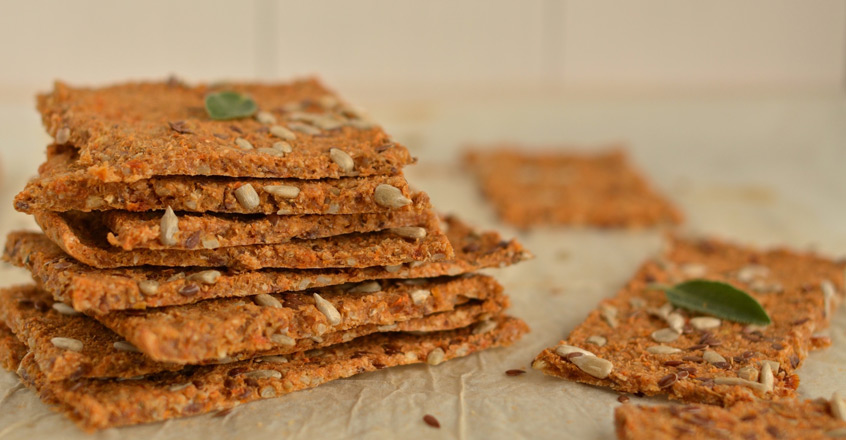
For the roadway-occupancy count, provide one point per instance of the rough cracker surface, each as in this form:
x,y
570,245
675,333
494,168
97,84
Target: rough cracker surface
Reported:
x,y
789,288
100,291
98,404
83,236
568,188
12,350
131,230
62,186
785,419
28,312
219,328
124,132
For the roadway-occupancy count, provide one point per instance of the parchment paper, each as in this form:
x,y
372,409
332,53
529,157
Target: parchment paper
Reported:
x,y
762,171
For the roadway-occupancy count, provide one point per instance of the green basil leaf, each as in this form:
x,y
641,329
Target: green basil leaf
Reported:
x,y
718,299
229,105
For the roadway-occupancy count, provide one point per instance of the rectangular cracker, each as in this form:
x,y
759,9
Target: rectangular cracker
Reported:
x,y
83,236
98,404
798,290
568,188
133,131
12,350
61,186
220,328
789,418
29,313
98,291
142,230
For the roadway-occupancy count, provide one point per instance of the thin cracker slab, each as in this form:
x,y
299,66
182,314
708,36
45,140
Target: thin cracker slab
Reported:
x,y
83,236
28,312
61,186
790,286
142,230
568,188
98,404
133,131
796,419
99,291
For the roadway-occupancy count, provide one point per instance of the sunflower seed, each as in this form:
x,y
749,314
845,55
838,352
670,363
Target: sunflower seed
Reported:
x,y
435,356
767,379
361,124
327,309
838,407
712,357
271,152
420,296
564,350
274,359
304,128
762,286
484,327
176,276
243,144
748,373
282,133
829,292
168,228
664,335
597,340
63,135
747,274
328,122
663,349
596,367
205,277
705,322
342,159
268,391
179,386
390,196
393,269
283,340
64,309
263,374
283,147
775,366
284,191
266,300
676,322
67,343
266,118
742,382
694,270
413,232
247,197
210,243
125,346
366,287
609,314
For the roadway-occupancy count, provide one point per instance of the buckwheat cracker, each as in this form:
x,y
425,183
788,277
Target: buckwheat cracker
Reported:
x,y
218,328
12,350
134,131
29,313
63,186
568,188
131,230
99,291
83,236
716,362
98,404
797,419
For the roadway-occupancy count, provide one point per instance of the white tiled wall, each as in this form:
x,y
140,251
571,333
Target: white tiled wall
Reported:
x,y
430,44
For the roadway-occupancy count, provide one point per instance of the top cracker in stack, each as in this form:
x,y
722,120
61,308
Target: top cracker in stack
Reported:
x,y
223,261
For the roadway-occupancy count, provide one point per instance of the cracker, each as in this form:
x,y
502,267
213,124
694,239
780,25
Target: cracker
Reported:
x,y
134,131
798,419
790,285
568,188
98,404
28,312
131,230
83,236
62,186
12,350
98,291
218,328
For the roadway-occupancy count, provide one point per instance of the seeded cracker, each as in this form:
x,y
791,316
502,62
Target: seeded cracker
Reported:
x,y
101,291
716,365
129,230
558,188
98,404
135,131
105,354
796,419
232,325
83,236
63,186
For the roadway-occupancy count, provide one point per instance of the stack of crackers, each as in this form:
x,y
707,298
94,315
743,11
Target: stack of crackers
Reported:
x,y
189,264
